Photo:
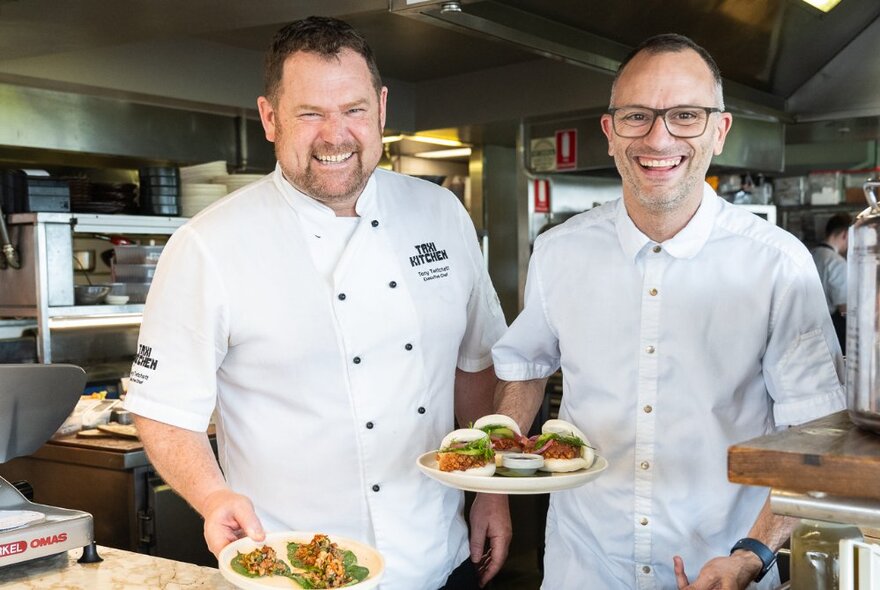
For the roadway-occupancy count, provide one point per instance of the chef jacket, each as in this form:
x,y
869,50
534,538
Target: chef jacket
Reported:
x,y
670,353
327,387
832,273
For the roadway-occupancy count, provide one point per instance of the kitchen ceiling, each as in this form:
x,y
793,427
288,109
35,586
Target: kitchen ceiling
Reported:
x,y
443,67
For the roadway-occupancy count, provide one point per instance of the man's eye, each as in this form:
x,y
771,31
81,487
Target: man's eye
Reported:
x,y
635,118
309,116
357,111
684,116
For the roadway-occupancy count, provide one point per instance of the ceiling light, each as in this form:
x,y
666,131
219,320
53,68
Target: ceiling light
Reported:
x,y
434,140
421,139
454,153
823,5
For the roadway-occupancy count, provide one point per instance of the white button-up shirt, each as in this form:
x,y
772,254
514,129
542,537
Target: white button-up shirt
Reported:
x,y
330,374
670,353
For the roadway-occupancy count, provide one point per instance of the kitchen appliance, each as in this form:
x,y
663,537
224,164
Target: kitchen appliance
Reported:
x,y
863,315
34,401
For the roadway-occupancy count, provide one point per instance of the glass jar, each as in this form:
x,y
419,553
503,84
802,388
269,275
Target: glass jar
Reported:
x,y
815,552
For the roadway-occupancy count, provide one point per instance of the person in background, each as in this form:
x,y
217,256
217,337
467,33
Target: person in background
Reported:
x,y
830,259
338,317
682,325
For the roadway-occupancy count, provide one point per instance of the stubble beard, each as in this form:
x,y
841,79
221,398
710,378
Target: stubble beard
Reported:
x,y
324,188
658,199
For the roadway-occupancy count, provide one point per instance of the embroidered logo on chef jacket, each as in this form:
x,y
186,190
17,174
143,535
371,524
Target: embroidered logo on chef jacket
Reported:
x,y
143,359
427,253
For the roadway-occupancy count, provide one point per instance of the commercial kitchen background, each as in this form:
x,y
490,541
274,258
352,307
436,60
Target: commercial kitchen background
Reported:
x,y
102,88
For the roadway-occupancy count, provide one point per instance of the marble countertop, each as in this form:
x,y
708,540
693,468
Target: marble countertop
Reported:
x,y
119,570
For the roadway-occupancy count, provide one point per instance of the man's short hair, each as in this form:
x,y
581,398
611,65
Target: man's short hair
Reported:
x,y
315,34
672,43
838,223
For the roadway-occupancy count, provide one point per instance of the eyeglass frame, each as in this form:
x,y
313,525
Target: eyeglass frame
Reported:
x,y
661,113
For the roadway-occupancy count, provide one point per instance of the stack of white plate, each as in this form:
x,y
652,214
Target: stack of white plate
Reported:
x,y
195,196
234,182
203,173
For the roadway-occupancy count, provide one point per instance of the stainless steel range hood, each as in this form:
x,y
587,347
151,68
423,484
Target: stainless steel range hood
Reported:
x,y
766,50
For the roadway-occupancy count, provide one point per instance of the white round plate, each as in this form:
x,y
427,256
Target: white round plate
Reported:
x,y
500,484
366,557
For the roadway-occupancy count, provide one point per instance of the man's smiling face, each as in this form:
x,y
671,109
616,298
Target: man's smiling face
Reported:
x,y
326,123
661,172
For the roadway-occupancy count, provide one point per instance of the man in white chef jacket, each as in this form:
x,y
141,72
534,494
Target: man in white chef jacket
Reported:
x,y
336,316
682,325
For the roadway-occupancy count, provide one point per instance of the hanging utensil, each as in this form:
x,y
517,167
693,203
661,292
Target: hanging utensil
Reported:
x,y
10,254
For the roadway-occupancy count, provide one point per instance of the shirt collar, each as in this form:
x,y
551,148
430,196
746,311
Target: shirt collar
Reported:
x,y
302,203
686,243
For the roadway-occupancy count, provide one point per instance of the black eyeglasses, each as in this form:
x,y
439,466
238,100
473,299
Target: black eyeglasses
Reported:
x,y
682,121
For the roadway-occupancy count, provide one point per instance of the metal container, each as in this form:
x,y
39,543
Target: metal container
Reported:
x,y
863,315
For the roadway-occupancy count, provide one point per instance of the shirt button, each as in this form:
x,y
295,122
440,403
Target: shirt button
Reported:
x,y
421,410
648,409
643,521
369,425
408,346
653,292
374,223
375,487
646,569
392,284
341,296
650,350
356,360
656,249
643,464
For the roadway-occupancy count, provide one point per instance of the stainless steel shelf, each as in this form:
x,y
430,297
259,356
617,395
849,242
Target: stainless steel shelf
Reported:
x,y
97,223
73,311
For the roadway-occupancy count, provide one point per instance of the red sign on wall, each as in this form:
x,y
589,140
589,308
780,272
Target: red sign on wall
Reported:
x,y
542,195
566,149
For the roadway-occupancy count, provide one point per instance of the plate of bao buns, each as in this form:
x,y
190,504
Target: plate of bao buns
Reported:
x,y
494,457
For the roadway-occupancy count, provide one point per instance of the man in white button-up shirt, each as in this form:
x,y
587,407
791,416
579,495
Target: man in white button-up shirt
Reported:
x,y
682,325
336,316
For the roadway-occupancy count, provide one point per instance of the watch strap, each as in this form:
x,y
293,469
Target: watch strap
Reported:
x,y
764,553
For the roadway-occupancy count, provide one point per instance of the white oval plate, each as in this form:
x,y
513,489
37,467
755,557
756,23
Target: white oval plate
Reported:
x,y
500,484
366,556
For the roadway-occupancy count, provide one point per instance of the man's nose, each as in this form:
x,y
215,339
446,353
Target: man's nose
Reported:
x,y
334,128
658,134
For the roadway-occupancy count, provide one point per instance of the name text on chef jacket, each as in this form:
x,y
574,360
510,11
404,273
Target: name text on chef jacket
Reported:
x,y
427,253
144,358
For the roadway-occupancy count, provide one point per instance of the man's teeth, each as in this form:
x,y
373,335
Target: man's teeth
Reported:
x,y
335,157
660,163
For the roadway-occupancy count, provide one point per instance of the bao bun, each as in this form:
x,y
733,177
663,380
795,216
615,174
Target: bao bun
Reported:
x,y
466,435
498,420
563,428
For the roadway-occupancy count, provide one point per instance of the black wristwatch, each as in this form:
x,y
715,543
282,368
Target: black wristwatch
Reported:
x,y
764,553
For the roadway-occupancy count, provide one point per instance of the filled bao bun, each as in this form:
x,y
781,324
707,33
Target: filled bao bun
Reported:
x,y
556,436
503,432
467,450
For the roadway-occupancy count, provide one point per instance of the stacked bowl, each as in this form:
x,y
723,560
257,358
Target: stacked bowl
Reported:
x,y
198,189
159,191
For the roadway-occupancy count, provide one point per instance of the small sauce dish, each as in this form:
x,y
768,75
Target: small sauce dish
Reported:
x,y
522,463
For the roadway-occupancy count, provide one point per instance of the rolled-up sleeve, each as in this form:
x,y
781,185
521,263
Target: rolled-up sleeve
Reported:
x,y
803,365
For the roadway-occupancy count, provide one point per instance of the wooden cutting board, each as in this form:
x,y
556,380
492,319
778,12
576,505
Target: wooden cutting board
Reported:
x,y
830,455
